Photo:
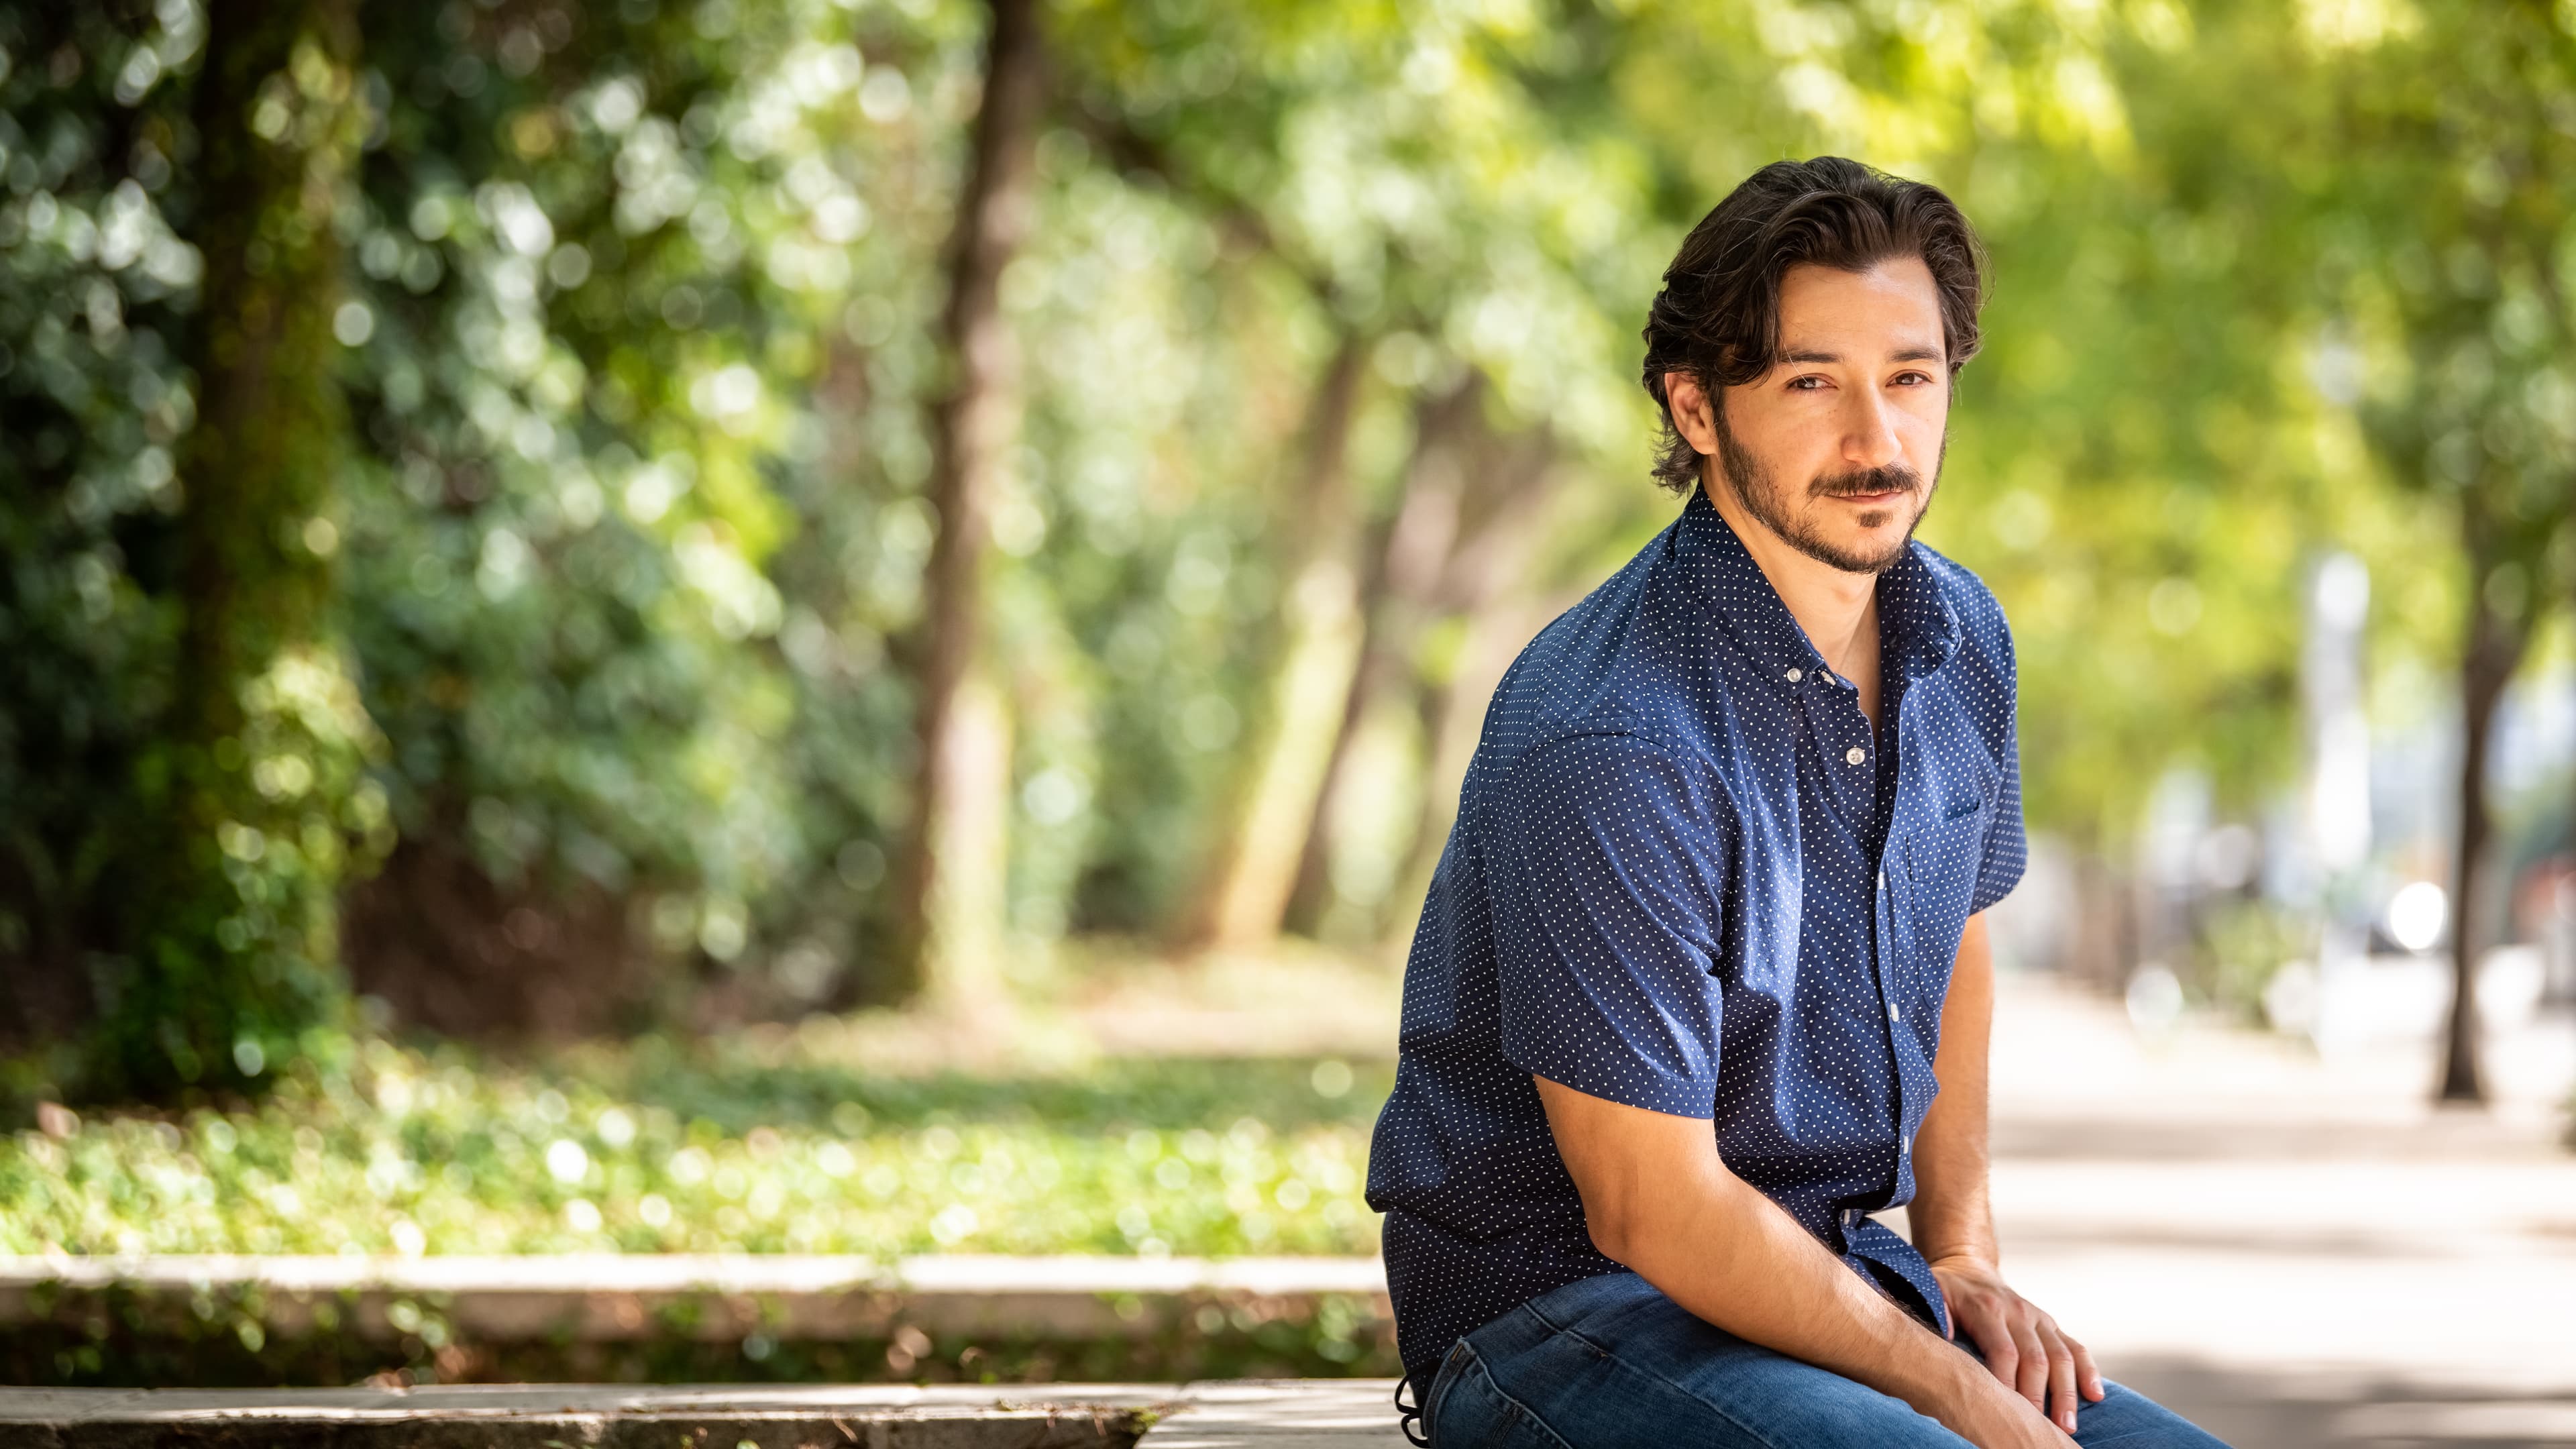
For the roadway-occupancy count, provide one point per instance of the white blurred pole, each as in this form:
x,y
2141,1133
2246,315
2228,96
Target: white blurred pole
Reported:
x,y
2337,804
2338,726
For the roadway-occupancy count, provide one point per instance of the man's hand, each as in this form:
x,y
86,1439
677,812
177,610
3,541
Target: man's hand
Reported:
x,y
2024,1347
1991,1416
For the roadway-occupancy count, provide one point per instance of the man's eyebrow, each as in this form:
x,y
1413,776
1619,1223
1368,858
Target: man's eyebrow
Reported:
x,y
1902,354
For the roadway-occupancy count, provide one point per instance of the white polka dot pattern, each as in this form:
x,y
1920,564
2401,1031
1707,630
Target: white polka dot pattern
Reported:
x,y
1686,876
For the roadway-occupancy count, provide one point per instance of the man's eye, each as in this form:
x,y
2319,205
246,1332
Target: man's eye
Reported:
x,y
1806,384
1913,377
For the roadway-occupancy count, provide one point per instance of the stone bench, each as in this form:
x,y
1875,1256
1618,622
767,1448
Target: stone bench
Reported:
x,y
1225,1414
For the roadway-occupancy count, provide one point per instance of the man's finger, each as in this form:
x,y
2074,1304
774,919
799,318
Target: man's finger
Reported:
x,y
2087,1372
1995,1343
2030,1376
2061,1377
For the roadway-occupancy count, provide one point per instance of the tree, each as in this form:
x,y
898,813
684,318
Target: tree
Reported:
x,y
1469,503
2453,254
257,770
943,932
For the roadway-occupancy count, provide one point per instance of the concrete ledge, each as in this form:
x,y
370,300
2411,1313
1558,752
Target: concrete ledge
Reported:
x,y
1278,1414
1281,1414
611,1297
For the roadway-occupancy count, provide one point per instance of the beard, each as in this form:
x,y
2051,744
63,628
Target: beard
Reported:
x,y
1768,500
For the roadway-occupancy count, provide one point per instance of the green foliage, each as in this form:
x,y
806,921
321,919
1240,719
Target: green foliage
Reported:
x,y
663,1148
2453,256
96,405
239,966
560,524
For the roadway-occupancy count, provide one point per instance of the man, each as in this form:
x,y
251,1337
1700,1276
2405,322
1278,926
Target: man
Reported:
x,y
1702,981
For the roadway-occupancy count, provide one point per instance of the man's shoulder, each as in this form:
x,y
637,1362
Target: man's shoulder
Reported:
x,y
1593,718
1984,633
1602,711
1591,670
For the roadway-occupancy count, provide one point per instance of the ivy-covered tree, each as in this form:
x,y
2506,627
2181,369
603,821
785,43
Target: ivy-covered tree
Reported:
x,y
255,782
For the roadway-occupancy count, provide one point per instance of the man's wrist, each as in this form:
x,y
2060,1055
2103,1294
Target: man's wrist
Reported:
x,y
1964,1255
1934,1376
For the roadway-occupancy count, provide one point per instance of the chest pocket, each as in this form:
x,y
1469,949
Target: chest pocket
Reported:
x,y
1942,858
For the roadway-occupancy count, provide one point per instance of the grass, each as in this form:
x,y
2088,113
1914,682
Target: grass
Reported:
x,y
761,1143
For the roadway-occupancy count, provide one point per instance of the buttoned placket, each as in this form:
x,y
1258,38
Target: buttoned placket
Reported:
x,y
1832,708
1831,717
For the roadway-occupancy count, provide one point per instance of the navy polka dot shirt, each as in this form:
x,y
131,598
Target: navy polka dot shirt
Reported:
x,y
1686,876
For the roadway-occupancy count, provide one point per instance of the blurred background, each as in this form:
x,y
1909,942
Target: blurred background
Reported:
x,y
852,627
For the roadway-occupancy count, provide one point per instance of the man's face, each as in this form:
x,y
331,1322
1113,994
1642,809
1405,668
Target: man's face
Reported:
x,y
1838,447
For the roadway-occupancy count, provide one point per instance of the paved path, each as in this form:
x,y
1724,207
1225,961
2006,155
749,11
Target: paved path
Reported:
x,y
2299,1252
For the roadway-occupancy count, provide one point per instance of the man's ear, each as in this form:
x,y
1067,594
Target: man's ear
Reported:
x,y
1692,409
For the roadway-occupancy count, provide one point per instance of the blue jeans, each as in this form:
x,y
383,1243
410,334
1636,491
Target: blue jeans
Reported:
x,y
1610,1362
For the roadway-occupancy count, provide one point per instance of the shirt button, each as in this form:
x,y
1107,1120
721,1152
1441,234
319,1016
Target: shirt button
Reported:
x,y
1855,754
1895,1013
1796,674
1905,1144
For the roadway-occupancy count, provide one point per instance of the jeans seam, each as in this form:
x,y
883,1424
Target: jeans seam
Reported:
x,y
1720,1410
1476,1361
1443,1384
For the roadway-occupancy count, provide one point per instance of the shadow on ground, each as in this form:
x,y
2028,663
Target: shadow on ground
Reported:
x,y
2348,1410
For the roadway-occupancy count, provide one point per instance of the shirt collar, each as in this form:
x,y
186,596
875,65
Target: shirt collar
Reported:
x,y
1918,626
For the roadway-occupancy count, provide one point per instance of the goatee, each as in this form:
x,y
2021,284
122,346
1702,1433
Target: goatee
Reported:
x,y
1761,497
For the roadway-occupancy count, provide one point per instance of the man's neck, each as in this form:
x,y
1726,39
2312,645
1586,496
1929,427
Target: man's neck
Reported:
x,y
1837,609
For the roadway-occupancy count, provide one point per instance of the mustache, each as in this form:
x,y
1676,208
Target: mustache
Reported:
x,y
1893,478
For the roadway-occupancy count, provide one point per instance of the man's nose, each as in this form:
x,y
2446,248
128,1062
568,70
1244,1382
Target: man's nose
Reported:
x,y
1870,439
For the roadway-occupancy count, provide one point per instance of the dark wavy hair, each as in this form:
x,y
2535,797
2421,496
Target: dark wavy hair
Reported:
x,y
1718,315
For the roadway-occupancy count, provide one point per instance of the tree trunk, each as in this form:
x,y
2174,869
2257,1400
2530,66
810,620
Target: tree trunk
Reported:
x,y
1414,548
943,935
1505,511
257,771
2098,955
1246,896
2494,649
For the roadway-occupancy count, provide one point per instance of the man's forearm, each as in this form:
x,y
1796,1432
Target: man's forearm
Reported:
x,y
1952,1214
1733,1257
1658,1198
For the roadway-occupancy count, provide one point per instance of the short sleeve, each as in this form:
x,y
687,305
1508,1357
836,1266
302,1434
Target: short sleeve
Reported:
x,y
2006,851
1606,857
